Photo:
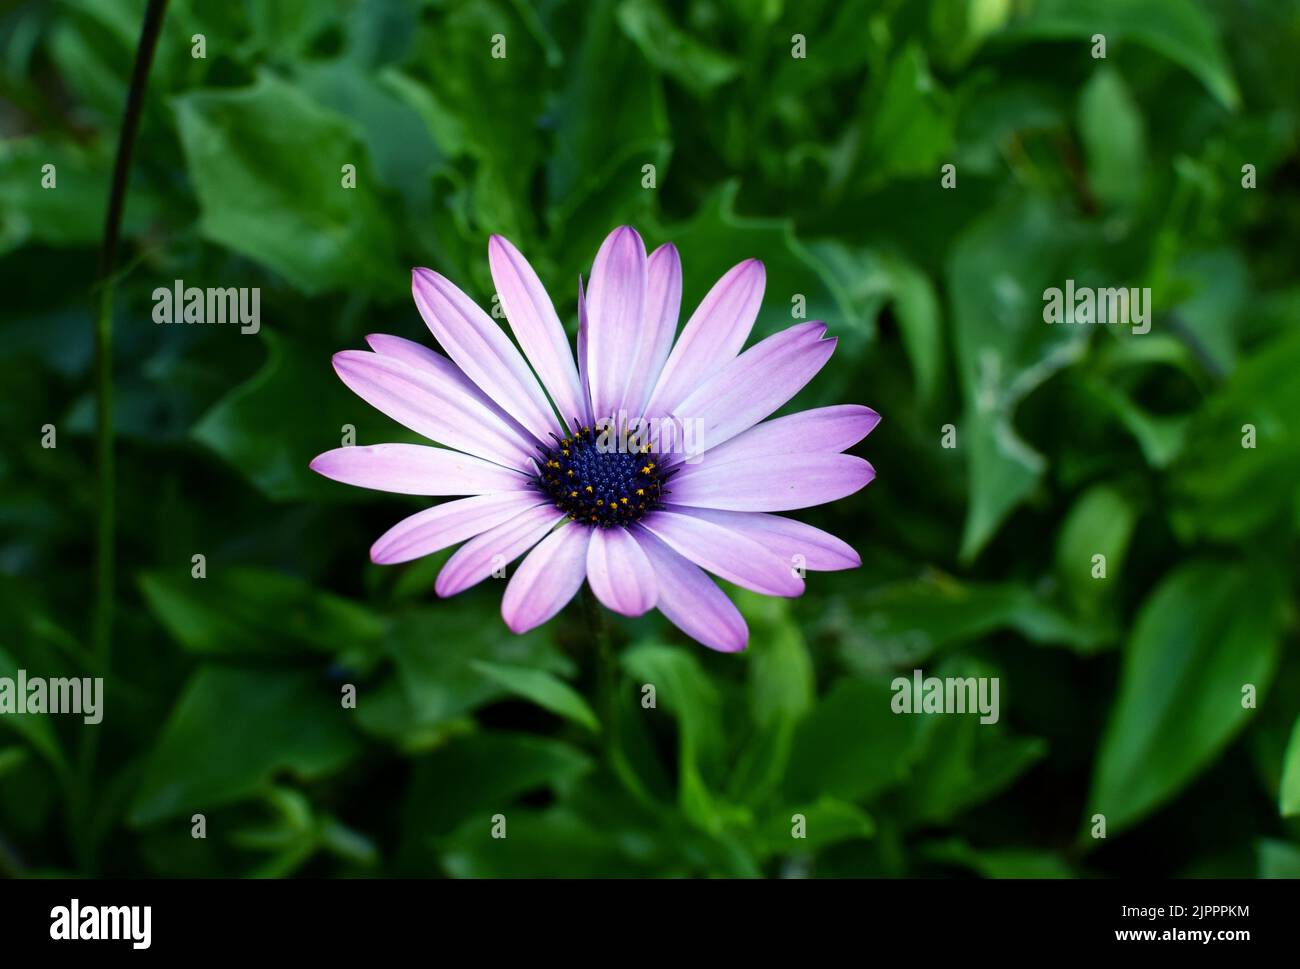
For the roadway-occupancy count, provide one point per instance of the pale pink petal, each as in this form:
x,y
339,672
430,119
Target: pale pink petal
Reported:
x,y
438,403
827,429
619,573
763,484
536,326
756,383
712,336
547,578
615,304
725,553
584,330
449,524
483,351
414,469
496,548
663,303
691,600
794,541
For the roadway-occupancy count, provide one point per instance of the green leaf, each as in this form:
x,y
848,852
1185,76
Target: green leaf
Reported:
x,y
698,67
434,650
1208,630
1101,522
998,272
852,746
555,843
37,729
1223,489
1114,141
999,862
1181,31
492,771
296,388
1278,859
542,688
825,822
232,731
909,125
267,165
250,612
906,622
1289,796
683,689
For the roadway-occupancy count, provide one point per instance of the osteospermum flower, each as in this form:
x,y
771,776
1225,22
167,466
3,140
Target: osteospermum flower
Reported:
x,y
639,468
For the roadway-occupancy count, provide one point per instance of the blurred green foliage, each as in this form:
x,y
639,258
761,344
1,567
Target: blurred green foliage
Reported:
x,y
1120,697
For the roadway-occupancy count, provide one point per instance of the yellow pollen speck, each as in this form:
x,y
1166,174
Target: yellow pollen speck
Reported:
x,y
650,466
600,502
624,500
640,492
590,489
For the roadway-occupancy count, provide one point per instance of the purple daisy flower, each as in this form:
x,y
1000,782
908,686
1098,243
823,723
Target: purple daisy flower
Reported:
x,y
639,468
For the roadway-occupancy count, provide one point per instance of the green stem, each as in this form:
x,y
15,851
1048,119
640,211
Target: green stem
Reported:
x,y
106,497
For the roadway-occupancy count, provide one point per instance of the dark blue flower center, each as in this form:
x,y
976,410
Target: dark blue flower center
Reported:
x,y
598,479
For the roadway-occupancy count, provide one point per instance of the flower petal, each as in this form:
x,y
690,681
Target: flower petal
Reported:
x,y
816,550
691,600
822,429
449,524
584,330
436,401
615,304
712,336
414,469
536,326
762,484
416,354
496,548
663,302
546,579
619,572
483,351
756,383
725,553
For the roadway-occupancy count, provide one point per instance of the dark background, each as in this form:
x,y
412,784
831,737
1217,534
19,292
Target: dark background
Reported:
x,y
1119,696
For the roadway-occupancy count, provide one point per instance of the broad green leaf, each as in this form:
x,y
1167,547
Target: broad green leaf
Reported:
x,y
676,52
1224,489
852,746
1000,862
1278,859
1180,31
909,127
434,650
1289,797
267,163
37,729
295,389
1207,632
232,731
1114,139
1100,522
492,770
811,827
243,611
683,690
542,688
997,275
